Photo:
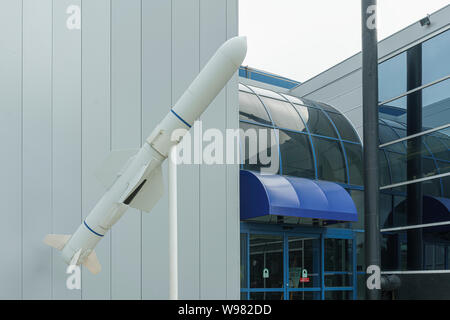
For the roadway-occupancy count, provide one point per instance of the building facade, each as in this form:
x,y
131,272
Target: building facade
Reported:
x,y
414,112
81,78
78,79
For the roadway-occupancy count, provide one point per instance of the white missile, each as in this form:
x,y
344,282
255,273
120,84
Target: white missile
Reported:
x,y
138,183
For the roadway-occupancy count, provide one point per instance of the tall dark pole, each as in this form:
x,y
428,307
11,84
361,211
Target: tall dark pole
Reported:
x,y
371,142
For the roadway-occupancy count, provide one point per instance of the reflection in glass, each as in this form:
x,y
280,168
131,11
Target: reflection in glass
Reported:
x,y
265,93
251,109
435,107
304,256
338,262
296,155
254,157
385,174
397,162
355,163
434,205
266,261
358,200
330,160
394,249
429,147
317,122
283,114
343,126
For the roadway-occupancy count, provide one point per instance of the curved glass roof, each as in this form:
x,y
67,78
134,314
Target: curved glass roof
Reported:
x,y
314,140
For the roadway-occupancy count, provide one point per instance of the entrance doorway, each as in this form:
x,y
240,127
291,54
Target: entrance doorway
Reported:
x,y
295,263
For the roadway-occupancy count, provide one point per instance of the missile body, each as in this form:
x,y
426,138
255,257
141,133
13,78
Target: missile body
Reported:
x,y
138,183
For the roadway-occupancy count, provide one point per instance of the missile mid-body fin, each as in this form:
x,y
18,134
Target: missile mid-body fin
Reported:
x,y
114,165
150,192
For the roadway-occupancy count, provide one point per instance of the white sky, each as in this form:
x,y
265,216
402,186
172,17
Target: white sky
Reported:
x,y
299,39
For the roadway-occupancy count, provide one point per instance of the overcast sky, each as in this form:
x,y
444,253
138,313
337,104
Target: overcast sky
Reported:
x,y
300,38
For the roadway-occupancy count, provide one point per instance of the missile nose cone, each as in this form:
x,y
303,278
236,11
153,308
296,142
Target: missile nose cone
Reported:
x,y
235,49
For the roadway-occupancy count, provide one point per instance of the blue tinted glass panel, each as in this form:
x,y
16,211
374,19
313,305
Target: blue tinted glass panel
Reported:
x,y
397,162
385,176
392,77
435,107
431,187
296,155
355,163
344,127
385,210
387,134
437,147
446,183
317,121
435,57
330,160
444,167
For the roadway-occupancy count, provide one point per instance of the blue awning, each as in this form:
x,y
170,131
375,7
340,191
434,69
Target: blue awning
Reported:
x,y
262,195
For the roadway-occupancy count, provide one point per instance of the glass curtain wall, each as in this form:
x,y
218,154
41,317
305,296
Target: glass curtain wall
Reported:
x,y
414,157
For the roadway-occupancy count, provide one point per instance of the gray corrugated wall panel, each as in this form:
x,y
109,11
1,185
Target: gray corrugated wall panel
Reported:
x,y
232,172
337,87
37,148
156,102
126,134
11,142
80,139
66,137
213,259
347,101
96,117
355,117
185,66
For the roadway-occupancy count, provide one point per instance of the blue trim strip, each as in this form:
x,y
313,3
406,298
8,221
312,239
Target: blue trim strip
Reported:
x,y
181,119
97,234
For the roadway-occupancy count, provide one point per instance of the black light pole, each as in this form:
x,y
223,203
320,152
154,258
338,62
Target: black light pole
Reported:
x,y
371,142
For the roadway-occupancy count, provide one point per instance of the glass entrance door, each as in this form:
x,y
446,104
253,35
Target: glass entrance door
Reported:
x,y
304,281
266,267
290,265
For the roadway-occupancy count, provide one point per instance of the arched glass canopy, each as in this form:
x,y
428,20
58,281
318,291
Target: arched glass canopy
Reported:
x,y
313,140
316,141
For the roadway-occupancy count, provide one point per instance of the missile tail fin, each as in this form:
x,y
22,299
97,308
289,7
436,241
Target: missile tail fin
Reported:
x,y
57,241
92,263
152,190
